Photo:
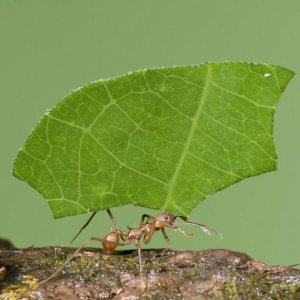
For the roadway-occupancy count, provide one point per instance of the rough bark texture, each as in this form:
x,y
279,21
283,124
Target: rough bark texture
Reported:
x,y
93,274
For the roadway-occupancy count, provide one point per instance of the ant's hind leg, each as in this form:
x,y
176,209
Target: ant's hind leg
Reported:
x,y
113,220
83,227
70,258
117,227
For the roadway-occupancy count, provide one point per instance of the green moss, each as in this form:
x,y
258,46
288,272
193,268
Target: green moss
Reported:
x,y
191,273
24,289
230,290
257,286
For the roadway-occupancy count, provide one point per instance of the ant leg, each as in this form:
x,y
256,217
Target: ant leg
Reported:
x,y
144,216
176,228
204,228
84,226
140,258
90,219
115,223
113,220
142,281
70,258
166,238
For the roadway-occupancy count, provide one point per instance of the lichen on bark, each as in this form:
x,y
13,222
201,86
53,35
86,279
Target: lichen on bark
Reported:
x,y
93,274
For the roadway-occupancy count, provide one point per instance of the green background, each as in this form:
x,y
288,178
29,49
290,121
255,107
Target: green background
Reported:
x,y
49,48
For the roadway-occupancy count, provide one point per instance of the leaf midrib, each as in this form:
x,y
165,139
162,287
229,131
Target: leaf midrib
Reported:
x,y
185,149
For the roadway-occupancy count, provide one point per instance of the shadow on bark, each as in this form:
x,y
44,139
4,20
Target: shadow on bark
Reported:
x,y
93,274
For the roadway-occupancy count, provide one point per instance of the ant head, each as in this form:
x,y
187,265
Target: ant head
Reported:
x,y
166,218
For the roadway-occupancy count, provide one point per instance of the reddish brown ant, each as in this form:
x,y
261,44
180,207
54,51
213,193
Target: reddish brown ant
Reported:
x,y
148,226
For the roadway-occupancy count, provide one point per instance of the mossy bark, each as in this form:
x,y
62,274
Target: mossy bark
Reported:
x,y
93,274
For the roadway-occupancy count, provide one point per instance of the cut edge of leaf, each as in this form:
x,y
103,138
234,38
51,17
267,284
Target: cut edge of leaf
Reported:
x,y
57,215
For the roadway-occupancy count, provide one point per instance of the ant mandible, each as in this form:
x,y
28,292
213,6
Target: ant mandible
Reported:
x,y
148,226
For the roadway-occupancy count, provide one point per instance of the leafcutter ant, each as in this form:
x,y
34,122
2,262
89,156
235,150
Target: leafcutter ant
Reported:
x,y
148,226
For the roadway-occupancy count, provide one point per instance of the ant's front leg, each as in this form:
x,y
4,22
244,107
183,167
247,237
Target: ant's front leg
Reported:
x,y
176,228
204,228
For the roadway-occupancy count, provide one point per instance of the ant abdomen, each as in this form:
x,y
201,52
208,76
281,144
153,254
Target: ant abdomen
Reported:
x,y
110,241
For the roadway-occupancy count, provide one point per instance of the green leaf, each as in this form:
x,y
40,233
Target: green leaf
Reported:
x,y
163,138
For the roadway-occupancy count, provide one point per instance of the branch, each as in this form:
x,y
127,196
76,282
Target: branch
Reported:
x,y
93,274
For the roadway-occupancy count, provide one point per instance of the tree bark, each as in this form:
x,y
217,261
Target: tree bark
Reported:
x,y
93,274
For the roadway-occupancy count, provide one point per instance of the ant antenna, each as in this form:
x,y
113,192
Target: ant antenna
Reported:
x,y
207,230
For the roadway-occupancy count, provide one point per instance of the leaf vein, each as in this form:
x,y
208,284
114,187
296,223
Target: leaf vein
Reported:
x,y
47,167
214,167
242,96
125,165
70,201
238,133
189,139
